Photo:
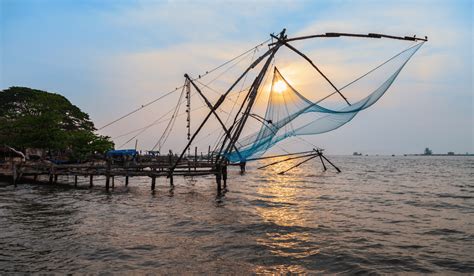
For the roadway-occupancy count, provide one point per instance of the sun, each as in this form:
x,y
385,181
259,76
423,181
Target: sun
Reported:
x,y
279,86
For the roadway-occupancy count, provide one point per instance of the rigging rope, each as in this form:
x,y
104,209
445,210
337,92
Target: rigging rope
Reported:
x,y
142,130
169,127
177,88
160,120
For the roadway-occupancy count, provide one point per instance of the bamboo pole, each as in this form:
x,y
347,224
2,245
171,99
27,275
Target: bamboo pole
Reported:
x,y
297,165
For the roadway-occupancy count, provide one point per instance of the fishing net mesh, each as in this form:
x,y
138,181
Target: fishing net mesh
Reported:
x,y
286,105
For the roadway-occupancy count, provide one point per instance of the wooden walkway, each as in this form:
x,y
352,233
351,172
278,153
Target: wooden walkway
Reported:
x,y
16,171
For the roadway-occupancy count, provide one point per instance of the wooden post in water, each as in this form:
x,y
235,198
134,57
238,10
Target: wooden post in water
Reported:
x,y
170,171
337,169
51,175
224,176
242,166
55,178
322,161
153,179
126,172
107,176
75,180
91,181
113,181
219,178
195,157
13,174
209,153
153,182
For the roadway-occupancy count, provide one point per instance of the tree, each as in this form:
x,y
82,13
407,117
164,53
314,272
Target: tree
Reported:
x,y
32,118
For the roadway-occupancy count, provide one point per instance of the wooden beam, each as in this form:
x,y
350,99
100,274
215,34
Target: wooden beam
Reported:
x,y
370,35
218,103
301,163
285,160
213,110
250,99
315,67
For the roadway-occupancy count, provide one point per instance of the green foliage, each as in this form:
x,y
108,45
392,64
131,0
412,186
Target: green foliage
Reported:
x,y
37,119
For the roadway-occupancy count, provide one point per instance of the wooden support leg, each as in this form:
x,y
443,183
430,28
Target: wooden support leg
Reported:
x,y
91,181
75,181
337,169
153,182
322,161
113,182
242,167
107,182
107,176
14,174
55,179
126,181
299,164
51,174
219,180
171,180
195,157
224,176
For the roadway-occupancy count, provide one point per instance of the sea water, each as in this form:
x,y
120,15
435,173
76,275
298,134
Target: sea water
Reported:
x,y
380,215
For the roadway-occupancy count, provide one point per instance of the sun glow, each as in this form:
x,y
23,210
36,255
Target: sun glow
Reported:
x,y
279,86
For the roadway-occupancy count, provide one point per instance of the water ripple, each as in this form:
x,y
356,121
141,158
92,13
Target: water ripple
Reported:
x,y
382,215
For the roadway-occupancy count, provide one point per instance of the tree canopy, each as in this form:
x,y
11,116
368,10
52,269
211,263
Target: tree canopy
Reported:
x,y
31,118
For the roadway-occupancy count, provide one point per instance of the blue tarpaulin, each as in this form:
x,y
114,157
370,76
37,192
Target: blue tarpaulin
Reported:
x,y
125,152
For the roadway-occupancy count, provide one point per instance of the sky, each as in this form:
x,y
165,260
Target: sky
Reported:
x,y
110,57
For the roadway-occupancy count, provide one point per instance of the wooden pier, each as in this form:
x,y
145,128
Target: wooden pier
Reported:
x,y
160,167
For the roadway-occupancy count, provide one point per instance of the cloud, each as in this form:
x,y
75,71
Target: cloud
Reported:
x,y
114,57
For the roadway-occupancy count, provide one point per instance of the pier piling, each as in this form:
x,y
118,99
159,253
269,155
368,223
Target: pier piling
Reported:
x,y
322,161
107,183
107,176
224,176
14,174
219,179
153,182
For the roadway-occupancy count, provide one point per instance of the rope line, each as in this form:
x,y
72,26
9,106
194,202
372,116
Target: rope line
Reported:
x,y
177,88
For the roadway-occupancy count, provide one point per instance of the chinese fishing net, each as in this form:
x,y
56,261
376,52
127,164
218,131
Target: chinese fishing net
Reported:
x,y
286,104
